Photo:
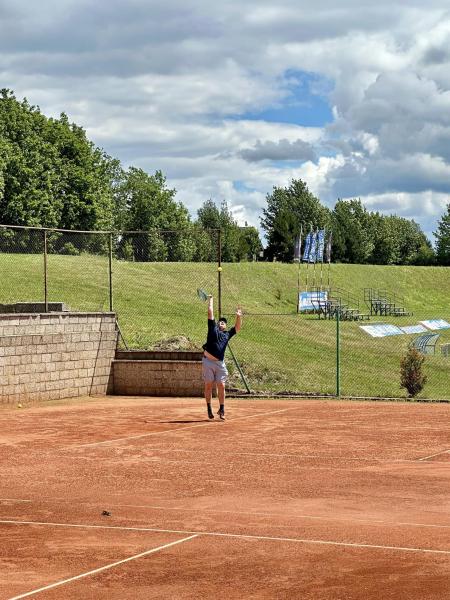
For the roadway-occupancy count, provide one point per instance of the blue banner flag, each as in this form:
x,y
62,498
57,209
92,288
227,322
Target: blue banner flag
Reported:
x,y
307,246
320,245
313,249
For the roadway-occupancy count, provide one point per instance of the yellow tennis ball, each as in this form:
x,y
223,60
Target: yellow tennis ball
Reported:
x,y
19,405
219,269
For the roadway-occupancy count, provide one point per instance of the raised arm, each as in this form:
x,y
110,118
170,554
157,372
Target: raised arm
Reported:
x,y
210,308
238,322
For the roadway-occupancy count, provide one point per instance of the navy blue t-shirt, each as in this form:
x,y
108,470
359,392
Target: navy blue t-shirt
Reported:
x,y
217,340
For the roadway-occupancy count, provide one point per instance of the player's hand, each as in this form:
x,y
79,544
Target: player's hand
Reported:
x,y
239,311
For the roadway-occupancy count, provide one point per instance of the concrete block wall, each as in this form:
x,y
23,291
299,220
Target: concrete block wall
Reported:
x,y
158,374
55,355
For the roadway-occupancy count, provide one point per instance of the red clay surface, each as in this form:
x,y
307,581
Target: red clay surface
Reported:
x,y
308,499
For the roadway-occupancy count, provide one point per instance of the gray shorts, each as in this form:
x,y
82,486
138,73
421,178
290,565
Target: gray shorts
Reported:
x,y
214,370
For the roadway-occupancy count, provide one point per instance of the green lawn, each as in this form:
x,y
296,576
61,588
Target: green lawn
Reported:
x,y
279,350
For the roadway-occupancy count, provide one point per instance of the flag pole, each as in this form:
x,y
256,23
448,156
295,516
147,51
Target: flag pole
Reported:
x,y
329,256
315,258
299,257
321,274
321,253
307,254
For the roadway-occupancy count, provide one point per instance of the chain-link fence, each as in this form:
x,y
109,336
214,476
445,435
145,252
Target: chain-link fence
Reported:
x,y
155,281
22,265
370,366
150,280
78,270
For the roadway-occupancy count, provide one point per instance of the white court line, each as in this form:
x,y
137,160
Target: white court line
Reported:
x,y
110,566
410,461
325,457
233,535
290,516
329,457
433,455
143,435
249,513
278,455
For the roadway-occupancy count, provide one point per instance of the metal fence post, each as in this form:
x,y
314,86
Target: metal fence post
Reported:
x,y
110,273
238,366
338,356
45,272
219,272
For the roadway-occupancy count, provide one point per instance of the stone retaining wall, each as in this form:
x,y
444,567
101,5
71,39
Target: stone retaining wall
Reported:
x,y
158,373
55,355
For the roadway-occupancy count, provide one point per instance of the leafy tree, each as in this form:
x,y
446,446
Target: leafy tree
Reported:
x,y
398,241
4,149
411,240
233,246
51,174
147,205
185,247
205,244
208,215
282,237
360,236
146,202
28,175
443,239
384,244
288,210
425,255
230,234
153,247
351,232
250,243
86,175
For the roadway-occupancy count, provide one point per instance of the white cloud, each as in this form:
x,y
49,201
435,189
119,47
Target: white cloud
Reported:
x,y
169,86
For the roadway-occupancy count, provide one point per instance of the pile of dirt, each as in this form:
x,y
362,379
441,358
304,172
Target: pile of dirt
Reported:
x,y
255,374
177,342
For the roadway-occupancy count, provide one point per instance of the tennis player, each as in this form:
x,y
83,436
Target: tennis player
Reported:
x,y
213,364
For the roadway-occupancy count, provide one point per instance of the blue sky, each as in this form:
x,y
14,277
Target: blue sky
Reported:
x,y
230,100
306,102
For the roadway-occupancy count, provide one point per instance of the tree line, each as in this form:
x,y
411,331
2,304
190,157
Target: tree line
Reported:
x,y
358,236
53,176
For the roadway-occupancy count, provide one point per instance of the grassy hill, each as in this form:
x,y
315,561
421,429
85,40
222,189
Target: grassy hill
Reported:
x,y
279,350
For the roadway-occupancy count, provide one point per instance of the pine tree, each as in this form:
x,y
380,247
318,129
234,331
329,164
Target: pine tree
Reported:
x,y
443,239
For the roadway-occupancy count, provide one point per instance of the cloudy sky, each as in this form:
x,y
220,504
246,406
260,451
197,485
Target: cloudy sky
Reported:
x,y
229,100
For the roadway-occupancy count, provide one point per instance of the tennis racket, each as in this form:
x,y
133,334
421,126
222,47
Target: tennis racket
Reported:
x,y
202,294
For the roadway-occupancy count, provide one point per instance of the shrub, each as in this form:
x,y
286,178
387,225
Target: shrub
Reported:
x,y
412,377
69,249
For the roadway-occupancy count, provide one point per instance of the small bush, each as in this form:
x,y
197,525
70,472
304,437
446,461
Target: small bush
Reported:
x,y
412,377
69,249
126,251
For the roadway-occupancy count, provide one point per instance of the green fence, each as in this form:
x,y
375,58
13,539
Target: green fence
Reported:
x,y
150,280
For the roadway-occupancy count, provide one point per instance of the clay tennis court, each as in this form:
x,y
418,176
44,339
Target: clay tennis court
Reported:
x,y
306,499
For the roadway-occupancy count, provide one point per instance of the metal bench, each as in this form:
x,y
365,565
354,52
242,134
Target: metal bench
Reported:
x,y
445,349
426,343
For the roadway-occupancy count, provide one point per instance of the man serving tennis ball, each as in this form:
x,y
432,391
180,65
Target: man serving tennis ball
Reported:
x,y
213,365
